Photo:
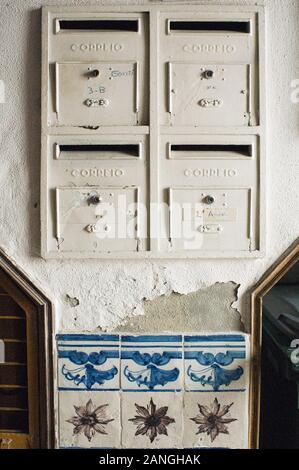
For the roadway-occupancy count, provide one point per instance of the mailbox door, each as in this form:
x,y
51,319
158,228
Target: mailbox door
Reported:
x,y
91,94
96,219
210,219
206,95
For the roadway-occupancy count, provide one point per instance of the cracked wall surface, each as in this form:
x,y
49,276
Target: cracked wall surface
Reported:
x,y
113,293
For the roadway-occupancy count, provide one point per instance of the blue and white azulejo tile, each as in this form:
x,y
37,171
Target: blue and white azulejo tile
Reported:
x,y
216,363
138,390
88,362
152,363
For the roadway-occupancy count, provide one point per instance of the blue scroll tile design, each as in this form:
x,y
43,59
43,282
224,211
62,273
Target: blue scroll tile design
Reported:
x,y
80,357
155,358
214,368
214,374
88,361
87,373
151,375
159,359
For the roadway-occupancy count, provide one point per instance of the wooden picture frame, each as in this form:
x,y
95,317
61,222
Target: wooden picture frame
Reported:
x,y
269,279
38,310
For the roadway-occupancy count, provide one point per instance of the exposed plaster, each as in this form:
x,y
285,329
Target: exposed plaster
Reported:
x,y
188,313
72,301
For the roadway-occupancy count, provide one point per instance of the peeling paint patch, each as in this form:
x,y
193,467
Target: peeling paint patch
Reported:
x,y
72,301
208,309
237,287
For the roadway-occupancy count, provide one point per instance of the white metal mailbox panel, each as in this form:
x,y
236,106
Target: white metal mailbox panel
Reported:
x,y
204,217
153,125
91,94
87,218
209,94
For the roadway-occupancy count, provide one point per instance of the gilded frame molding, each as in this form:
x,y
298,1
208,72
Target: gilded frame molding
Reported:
x,y
287,260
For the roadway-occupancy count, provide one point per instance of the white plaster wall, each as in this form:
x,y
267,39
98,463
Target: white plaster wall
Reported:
x,y
108,291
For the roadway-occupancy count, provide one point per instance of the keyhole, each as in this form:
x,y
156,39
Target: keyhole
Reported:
x,y
94,200
94,73
208,74
209,199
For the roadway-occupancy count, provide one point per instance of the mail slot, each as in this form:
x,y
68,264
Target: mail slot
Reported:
x,y
98,70
96,151
206,150
195,26
209,69
87,25
97,219
210,219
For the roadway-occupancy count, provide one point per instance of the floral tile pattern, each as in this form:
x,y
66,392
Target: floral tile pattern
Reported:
x,y
152,420
89,419
215,420
153,391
